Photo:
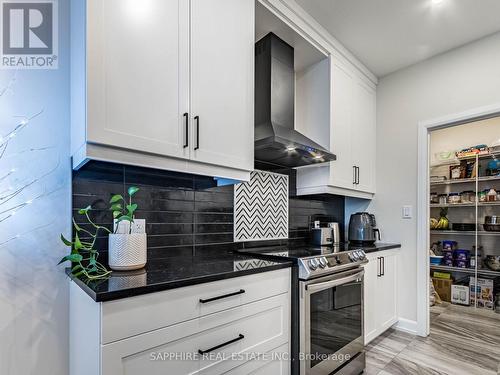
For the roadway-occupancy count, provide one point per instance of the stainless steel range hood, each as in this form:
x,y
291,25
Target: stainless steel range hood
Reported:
x,y
276,141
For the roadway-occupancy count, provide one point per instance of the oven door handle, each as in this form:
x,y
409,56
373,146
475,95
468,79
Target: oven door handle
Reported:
x,y
312,288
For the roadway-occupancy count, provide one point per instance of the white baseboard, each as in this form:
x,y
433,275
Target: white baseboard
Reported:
x,y
407,325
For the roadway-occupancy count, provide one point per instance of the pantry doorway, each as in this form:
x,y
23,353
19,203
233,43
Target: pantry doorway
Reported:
x,y
456,169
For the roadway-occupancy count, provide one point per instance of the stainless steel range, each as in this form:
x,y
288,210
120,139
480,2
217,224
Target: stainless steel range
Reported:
x,y
329,325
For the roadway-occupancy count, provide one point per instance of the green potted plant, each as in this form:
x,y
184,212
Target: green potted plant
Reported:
x,y
127,243
83,255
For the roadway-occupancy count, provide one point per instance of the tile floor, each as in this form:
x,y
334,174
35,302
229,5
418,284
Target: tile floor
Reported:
x,y
462,341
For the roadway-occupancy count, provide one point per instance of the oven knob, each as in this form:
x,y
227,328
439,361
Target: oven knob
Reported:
x,y
322,262
313,264
354,256
361,255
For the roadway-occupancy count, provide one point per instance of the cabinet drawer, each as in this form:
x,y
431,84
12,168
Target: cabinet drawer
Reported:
x,y
262,325
132,316
267,365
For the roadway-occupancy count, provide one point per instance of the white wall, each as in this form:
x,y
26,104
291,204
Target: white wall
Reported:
x,y
33,289
465,78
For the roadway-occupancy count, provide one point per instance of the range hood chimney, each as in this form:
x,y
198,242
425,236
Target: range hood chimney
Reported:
x,y
277,143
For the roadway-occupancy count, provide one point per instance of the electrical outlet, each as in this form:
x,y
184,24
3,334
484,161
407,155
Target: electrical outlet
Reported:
x,y
138,226
407,212
123,227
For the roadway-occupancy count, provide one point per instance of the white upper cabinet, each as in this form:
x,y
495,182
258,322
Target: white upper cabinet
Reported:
x,y
164,83
137,74
363,138
352,129
222,81
342,170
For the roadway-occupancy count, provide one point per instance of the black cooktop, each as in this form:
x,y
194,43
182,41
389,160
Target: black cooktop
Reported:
x,y
293,253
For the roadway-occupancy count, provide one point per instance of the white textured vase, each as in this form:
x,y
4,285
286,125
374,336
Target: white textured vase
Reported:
x,y
127,251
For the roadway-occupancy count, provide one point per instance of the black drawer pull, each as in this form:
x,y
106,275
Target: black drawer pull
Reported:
x,y
197,119
186,118
240,337
241,291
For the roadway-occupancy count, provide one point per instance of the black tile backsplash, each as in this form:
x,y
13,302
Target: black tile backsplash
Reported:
x,y
185,214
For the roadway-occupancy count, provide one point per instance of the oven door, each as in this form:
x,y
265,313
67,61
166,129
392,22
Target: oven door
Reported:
x,y
331,321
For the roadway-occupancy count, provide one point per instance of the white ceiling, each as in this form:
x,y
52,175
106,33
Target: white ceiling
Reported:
x,y
387,35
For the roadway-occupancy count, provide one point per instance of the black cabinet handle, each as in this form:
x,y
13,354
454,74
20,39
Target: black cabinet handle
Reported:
x,y
241,291
383,266
197,119
354,175
240,337
186,119
379,266
357,175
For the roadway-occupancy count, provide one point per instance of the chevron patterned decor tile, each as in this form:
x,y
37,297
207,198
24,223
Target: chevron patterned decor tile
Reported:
x,y
250,264
261,207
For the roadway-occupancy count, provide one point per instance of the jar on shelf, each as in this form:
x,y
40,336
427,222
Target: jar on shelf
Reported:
x,y
443,198
491,196
476,258
481,195
454,198
434,198
467,196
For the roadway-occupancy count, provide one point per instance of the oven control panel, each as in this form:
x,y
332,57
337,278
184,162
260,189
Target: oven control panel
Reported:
x,y
319,265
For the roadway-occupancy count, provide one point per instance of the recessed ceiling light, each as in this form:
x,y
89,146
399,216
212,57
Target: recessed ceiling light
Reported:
x,y
290,149
436,2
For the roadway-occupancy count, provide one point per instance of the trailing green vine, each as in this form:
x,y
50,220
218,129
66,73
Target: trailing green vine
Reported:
x,y
126,211
83,256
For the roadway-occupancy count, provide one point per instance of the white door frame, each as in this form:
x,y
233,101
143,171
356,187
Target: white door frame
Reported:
x,y
423,240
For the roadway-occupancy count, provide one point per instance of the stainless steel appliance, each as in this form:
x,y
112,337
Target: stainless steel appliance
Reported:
x,y
277,143
335,232
363,228
328,329
322,236
325,236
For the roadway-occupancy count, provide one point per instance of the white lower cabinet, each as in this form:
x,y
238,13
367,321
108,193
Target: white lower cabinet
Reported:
x,y
271,364
380,293
243,338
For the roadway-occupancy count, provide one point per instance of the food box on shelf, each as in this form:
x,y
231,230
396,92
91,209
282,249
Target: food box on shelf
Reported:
x,y
460,294
461,263
448,262
461,254
483,291
443,288
441,275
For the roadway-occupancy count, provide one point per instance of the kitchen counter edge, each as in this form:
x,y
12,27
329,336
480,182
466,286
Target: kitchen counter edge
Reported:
x,y
380,247
172,284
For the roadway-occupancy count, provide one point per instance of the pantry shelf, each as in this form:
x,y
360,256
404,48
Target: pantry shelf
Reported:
x,y
463,233
465,180
457,161
481,204
480,271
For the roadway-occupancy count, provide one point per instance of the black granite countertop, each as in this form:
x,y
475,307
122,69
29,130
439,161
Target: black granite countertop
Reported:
x,y
378,246
175,272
